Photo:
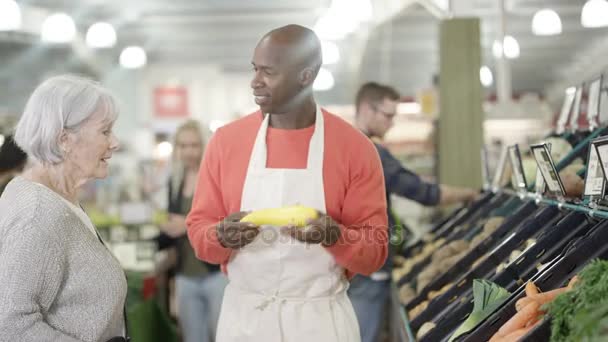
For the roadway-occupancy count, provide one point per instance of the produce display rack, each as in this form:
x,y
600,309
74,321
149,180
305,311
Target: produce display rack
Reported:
x,y
557,238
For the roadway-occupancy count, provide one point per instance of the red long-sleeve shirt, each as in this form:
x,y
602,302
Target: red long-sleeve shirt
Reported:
x,y
352,177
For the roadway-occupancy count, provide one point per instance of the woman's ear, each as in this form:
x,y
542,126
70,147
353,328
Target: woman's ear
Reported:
x,y
64,142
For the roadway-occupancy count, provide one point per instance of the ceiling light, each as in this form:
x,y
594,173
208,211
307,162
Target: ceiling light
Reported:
x,y
342,18
546,22
133,57
361,9
485,76
331,53
324,80
595,13
511,47
10,15
571,90
101,35
58,28
334,26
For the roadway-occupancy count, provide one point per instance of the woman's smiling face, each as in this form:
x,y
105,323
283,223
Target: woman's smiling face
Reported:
x,y
89,148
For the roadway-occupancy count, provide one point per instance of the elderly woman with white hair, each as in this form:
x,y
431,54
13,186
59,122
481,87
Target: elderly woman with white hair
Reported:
x,y
58,282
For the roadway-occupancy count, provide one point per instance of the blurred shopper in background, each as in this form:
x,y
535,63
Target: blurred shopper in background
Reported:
x,y
376,108
12,161
58,282
199,285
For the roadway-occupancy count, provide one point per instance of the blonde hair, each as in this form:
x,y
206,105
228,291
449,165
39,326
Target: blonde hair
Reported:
x,y
177,169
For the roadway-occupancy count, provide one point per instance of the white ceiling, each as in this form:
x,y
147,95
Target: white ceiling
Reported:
x,y
402,50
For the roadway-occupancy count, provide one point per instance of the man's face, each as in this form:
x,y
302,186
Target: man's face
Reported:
x,y
275,82
380,117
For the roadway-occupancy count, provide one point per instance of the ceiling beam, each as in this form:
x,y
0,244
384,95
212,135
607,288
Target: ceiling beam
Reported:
x,y
32,18
587,64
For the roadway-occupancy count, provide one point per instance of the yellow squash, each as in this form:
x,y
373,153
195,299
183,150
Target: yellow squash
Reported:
x,y
293,215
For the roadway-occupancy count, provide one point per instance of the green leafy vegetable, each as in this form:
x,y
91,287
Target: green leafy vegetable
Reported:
x,y
487,297
581,314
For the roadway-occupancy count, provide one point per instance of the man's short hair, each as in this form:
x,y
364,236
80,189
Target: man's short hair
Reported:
x,y
372,92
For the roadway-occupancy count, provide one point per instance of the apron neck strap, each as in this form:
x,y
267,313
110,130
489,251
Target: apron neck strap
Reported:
x,y
315,149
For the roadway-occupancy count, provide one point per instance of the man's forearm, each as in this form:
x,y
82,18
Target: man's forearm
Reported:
x,y
452,194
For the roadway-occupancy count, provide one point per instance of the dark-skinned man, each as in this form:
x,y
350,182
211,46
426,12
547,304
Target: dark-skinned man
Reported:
x,y
289,284
376,107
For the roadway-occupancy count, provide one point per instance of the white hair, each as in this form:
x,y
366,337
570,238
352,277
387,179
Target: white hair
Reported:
x,y
61,103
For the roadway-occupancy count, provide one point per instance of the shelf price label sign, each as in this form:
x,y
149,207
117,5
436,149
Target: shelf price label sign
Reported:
x,y
565,112
485,169
593,104
547,168
594,179
519,178
601,148
500,169
539,185
576,109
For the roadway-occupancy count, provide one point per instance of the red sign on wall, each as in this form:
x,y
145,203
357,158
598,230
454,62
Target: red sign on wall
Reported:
x,y
171,102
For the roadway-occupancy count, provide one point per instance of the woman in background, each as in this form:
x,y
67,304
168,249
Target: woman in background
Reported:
x,y
199,285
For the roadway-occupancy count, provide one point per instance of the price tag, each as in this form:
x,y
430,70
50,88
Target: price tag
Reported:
x,y
593,105
485,169
576,109
603,115
519,178
601,148
565,113
547,169
500,169
540,181
594,180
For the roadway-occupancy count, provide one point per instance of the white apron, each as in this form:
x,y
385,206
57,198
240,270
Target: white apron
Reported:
x,y
280,289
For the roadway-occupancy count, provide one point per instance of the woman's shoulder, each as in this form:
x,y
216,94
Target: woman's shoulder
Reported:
x,y
28,205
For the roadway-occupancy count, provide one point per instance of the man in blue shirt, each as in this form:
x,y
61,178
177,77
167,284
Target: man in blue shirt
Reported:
x,y
376,107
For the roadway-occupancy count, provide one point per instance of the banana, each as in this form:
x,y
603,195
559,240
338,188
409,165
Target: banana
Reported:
x,y
296,215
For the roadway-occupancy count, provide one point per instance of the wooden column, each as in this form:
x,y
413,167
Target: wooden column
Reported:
x,y
461,117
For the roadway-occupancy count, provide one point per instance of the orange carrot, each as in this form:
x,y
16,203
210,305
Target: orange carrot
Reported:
x,y
496,338
533,321
541,298
522,302
548,296
531,289
519,320
572,281
517,334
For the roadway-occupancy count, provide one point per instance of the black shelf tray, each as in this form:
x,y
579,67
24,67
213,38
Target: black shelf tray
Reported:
x,y
452,234
449,318
509,224
592,245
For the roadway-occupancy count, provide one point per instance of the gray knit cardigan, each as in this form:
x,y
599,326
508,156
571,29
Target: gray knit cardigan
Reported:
x,y
58,282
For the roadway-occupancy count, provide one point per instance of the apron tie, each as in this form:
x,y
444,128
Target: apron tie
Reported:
x,y
269,300
281,302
